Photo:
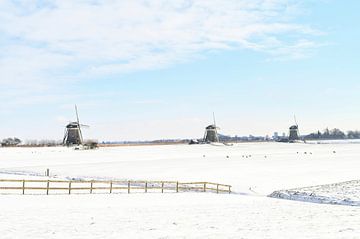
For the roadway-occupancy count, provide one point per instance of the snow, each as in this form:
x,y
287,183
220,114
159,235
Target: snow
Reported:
x,y
345,193
263,167
255,170
192,215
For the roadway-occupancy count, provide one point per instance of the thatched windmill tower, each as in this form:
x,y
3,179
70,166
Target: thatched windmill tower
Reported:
x,y
73,135
294,132
211,135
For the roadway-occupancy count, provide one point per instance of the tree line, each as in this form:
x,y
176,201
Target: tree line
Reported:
x,y
333,134
11,142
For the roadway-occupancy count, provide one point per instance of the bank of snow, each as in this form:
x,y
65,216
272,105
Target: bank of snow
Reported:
x,y
345,193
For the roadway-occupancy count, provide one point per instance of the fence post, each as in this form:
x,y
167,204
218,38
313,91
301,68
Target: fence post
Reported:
x,y
70,187
110,186
47,187
91,186
128,186
217,188
177,186
229,189
146,187
204,187
162,187
23,187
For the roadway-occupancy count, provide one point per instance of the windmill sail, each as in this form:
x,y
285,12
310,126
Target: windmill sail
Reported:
x,y
79,125
214,119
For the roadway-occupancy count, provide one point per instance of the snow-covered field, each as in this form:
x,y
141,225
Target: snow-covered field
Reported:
x,y
255,170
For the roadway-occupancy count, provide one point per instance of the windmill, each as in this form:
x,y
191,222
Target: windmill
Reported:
x,y
73,135
294,131
211,135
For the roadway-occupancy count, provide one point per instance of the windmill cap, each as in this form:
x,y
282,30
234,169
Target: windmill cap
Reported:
x,y
72,125
294,127
211,127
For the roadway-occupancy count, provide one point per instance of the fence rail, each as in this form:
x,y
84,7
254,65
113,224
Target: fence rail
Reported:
x,y
13,186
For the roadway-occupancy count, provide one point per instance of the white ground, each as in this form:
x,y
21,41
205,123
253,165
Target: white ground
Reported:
x,y
254,170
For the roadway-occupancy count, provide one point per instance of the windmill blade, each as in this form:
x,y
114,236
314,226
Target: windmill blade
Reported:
x,y
214,119
81,137
295,120
204,138
216,127
77,115
78,122
65,136
216,134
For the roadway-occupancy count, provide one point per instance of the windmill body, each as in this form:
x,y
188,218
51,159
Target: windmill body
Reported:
x,y
294,133
73,135
211,135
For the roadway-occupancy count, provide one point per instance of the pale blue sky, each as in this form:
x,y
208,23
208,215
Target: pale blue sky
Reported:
x,y
154,69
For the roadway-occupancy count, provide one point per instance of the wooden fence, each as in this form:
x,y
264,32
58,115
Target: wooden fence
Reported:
x,y
15,186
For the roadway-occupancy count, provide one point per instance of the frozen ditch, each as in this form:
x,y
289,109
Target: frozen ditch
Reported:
x,y
344,193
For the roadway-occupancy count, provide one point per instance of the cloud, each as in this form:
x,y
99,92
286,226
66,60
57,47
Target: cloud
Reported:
x,y
47,42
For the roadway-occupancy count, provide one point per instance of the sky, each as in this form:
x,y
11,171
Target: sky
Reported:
x,y
153,69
